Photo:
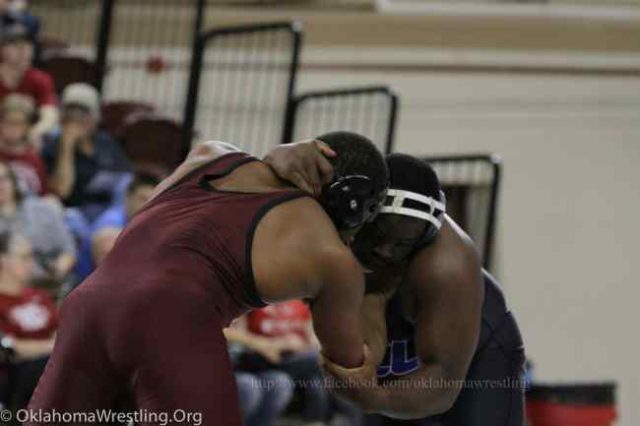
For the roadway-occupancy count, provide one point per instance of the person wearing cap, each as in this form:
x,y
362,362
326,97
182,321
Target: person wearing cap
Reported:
x,y
15,12
17,75
85,164
17,116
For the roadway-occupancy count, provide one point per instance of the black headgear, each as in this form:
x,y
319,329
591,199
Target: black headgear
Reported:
x,y
350,201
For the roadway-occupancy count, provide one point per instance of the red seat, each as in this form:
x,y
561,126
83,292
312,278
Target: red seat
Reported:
x,y
66,70
116,114
153,141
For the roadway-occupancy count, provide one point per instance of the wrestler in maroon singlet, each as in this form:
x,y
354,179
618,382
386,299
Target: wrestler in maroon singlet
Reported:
x,y
114,337
144,331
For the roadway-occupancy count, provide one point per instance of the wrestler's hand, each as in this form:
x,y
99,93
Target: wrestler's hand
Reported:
x,y
71,134
358,385
304,164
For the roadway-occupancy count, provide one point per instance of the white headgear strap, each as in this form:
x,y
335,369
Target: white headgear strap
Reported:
x,y
432,212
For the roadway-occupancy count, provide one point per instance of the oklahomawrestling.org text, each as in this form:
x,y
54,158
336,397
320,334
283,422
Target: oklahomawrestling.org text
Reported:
x,y
56,417
195,419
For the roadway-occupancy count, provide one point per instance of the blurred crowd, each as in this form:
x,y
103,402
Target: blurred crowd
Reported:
x,y
66,191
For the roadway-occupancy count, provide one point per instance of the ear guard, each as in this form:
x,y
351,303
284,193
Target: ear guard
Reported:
x,y
350,201
412,204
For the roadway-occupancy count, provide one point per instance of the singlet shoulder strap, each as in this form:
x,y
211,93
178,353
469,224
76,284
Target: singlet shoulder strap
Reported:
x,y
217,168
227,164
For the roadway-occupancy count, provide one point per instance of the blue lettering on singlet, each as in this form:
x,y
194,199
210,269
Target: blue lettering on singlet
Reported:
x,y
399,360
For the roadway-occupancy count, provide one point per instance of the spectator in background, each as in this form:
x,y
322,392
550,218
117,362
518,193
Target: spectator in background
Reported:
x,y
138,193
17,75
265,394
17,115
40,222
14,12
117,216
287,327
84,163
28,321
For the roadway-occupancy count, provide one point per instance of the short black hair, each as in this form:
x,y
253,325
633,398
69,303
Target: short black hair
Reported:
x,y
141,179
357,155
409,173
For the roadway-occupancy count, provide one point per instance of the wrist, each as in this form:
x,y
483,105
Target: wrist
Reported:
x,y
338,369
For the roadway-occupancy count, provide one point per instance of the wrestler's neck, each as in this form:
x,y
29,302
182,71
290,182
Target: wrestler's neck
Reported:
x,y
252,177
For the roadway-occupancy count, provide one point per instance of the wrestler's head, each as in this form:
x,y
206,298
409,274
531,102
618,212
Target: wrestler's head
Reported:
x,y
360,182
410,216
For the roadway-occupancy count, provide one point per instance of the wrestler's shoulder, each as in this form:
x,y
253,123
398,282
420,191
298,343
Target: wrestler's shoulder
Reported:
x,y
453,256
305,217
199,155
210,150
452,247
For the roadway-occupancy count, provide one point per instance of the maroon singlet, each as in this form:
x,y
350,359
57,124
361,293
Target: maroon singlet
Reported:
x,y
145,329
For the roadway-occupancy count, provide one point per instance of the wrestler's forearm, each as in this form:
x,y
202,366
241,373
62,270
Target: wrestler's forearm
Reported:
x,y
336,308
426,392
374,325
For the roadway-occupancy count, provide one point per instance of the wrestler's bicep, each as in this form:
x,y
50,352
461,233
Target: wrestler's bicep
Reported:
x,y
374,325
448,318
336,309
